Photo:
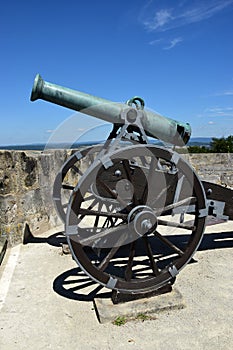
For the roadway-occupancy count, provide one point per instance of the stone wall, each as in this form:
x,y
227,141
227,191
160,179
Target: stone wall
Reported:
x,y
26,183
214,167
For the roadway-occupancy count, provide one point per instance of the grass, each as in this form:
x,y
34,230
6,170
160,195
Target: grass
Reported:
x,y
119,321
143,317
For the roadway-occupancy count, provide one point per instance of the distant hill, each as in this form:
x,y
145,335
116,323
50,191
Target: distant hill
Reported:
x,y
42,146
194,141
199,141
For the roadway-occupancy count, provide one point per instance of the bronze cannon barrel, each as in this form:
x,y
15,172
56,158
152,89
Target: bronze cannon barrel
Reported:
x,y
155,125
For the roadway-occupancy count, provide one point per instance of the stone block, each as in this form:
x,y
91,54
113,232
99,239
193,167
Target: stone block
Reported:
x,y
109,312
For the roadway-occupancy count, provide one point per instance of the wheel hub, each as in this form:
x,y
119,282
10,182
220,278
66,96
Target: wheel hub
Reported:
x,y
142,220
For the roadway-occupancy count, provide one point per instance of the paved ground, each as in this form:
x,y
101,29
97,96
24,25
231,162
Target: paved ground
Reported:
x,y
45,303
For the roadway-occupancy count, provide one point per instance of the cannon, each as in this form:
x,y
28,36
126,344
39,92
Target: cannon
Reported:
x,y
136,216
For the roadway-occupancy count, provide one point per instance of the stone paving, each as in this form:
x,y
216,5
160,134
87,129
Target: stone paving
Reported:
x,y
47,303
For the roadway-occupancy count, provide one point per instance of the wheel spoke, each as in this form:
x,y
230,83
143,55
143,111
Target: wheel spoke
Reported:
x,y
126,166
150,255
77,170
109,231
91,206
98,215
189,201
175,224
86,199
168,243
110,219
128,270
129,177
112,193
104,263
152,168
105,223
164,190
91,212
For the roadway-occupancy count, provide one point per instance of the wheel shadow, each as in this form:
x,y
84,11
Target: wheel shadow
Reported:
x,y
76,285
73,283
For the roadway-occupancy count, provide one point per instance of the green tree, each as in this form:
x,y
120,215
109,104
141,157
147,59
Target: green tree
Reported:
x,y
217,145
222,145
198,149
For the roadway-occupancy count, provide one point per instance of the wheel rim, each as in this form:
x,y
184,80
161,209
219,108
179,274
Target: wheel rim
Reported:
x,y
108,250
68,177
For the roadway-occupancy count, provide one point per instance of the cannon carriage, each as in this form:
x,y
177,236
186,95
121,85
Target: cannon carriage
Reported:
x,y
136,216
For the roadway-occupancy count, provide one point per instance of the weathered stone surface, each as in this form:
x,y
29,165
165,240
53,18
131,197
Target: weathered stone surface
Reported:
x,y
109,312
214,167
26,184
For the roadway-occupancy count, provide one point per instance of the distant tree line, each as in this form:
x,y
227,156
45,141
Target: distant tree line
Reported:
x,y
221,145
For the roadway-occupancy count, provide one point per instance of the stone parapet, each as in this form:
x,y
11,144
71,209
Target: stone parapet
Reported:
x,y
26,184
214,167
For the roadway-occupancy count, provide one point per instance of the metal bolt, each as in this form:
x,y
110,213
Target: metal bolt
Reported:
x,y
209,191
146,224
118,173
132,115
127,187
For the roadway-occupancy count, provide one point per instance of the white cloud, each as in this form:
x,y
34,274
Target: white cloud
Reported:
x,y
162,19
155,42
173,43
225,93
219,112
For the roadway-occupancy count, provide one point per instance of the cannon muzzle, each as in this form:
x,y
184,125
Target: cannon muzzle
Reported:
x,y
155,125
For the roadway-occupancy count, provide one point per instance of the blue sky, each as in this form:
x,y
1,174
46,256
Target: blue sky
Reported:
x,y
177,55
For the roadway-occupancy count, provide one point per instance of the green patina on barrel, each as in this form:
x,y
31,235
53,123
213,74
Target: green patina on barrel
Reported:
x,y
155,125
